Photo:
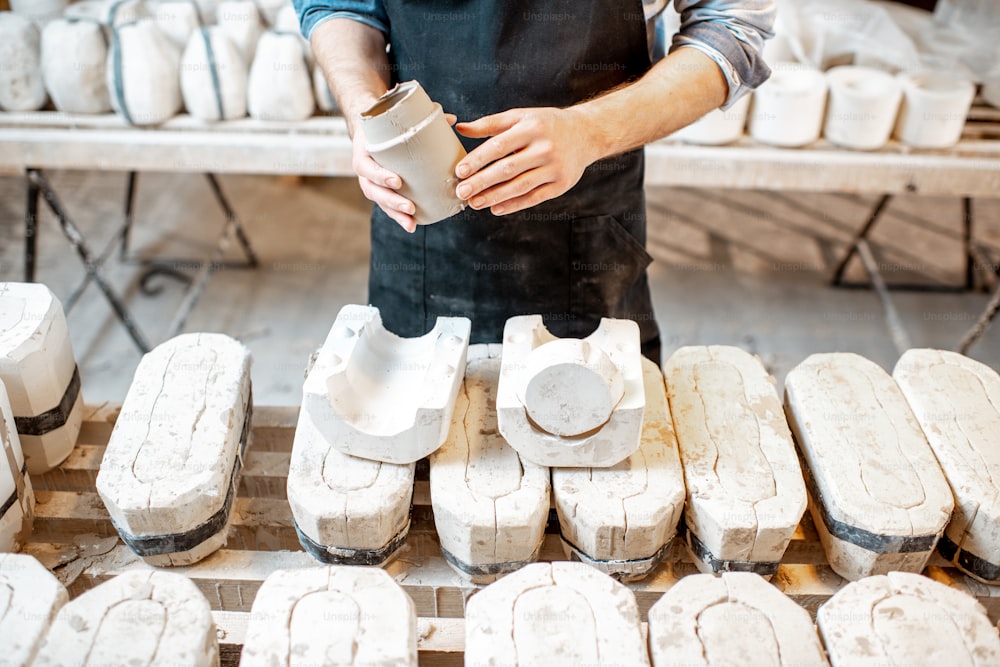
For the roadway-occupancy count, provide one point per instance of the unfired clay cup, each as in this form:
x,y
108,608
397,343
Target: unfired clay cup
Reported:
x,y
934,110
863,107
407,134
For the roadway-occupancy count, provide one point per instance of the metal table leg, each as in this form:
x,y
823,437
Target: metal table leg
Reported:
x,y
30,229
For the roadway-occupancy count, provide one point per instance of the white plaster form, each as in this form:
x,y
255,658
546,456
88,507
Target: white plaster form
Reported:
x,y
108,12
571,384
30,596
16,522
333,615
554,614
74,58
198,80
178,19
906,619
934,109
735,619
621,519
957,402
490,506
148,77
374,395
788,107
38,10
146,617
280,85
169,461
717,127
745,493
863,107
286,20
346,504
870,462
240,21
21,84
37,365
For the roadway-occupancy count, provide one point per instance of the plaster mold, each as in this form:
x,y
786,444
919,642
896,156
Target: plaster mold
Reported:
x,y
377,396
906,619
334,615
490,506
31,598
142,74
876,494
138,618
745,494
280,85
39,370
74,59
571,402
863,107
347,510
407,134
956,400
788,108
934,109
21,85
172,464
735,619
17,499
622,519
554,614
213,76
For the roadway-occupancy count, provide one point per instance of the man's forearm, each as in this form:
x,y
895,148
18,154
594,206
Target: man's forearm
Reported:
x,y
353,58
675,92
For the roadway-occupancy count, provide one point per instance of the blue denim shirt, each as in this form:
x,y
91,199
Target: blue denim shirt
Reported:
x,y
730,32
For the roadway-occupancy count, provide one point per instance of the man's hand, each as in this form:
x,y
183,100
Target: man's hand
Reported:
x,y
532,155
380,185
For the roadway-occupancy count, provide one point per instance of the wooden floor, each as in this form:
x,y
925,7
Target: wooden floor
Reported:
x,y
747,268
74,537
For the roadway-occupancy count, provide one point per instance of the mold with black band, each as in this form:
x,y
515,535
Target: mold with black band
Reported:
x,y
968,561
55,418
701,552
160,545
340,556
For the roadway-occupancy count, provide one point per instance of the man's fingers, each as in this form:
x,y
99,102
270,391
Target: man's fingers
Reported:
x,y
487,126
527,200
366,167
386,198
499,198
451,118
474,188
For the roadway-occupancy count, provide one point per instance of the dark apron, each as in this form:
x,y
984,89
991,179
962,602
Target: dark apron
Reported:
x,y
573,259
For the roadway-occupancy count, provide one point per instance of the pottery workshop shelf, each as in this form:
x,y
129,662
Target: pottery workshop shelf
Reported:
x,y
74,537
321,146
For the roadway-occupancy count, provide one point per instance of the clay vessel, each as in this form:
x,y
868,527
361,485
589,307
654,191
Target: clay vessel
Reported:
x,y
407,133
788,108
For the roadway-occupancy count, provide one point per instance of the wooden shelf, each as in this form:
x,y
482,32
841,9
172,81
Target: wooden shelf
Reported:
x,y
321,146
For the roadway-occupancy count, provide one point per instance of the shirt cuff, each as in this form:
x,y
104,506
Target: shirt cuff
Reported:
x,y
316,17
741,63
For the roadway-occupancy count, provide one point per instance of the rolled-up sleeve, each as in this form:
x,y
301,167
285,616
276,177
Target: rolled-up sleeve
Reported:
x,y
731,33
314,12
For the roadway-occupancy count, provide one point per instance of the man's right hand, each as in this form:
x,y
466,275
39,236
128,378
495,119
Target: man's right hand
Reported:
x,y
380,185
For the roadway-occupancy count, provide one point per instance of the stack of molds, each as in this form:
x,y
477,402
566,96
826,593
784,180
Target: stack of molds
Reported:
x,y
877,495
906,619
38,368
171,468
554,614
29,599
17,499
735,619
745,494
137,618
490,506
334,615
957,402
622,519
373,404
571,402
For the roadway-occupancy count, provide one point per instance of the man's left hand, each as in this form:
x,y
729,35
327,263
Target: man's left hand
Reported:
x,y
532,155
